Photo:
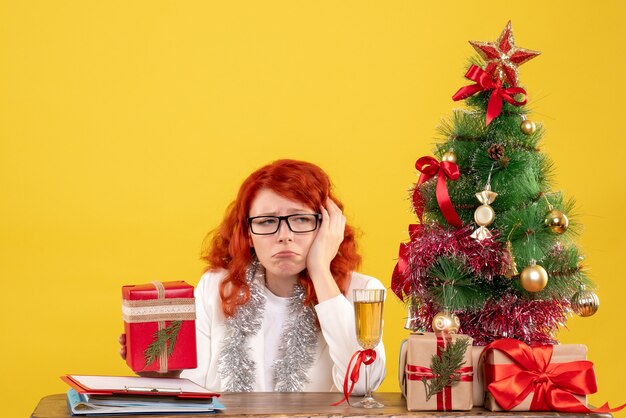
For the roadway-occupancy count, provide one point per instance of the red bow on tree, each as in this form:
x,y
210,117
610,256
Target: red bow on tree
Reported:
x,y
400,278
429,167
484,82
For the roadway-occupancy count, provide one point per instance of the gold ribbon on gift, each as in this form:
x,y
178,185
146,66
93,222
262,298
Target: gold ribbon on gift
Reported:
x,y
159,310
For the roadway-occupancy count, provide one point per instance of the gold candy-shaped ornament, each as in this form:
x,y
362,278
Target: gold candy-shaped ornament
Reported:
x,y
484,215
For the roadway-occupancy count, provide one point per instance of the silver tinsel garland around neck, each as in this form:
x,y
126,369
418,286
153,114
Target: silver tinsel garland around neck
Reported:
x,y
298,341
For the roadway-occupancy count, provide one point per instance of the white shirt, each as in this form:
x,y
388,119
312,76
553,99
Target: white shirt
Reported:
x,y
336,341
274,318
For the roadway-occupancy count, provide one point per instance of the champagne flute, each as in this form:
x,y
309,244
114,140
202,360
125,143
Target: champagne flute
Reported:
x,y
368,314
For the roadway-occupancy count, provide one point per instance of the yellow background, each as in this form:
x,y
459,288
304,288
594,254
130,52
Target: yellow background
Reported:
x,y
127,126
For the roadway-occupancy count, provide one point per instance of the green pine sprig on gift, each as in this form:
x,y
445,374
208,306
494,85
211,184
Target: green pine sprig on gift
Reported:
x,y
445,367
164,339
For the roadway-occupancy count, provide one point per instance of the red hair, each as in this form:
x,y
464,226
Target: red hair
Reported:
x,y
228,246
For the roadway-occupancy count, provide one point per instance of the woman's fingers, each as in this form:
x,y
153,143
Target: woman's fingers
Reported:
x,y
337,218
122,340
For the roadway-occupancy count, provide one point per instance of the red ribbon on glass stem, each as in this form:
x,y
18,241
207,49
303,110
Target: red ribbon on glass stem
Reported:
x,y
366,357
553,385
429,167
484,82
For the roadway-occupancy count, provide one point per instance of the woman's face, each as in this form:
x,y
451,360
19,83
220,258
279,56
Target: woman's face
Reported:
x,y
283,253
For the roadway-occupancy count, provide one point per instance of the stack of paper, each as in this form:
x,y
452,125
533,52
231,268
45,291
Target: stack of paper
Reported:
x,y
94,395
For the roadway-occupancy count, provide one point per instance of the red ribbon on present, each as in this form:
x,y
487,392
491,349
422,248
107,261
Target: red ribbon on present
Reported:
x,y
554,385
444,398
366,357
484,81
429,167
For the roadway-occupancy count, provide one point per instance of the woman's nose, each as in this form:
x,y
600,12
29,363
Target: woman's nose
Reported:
x,y
284,233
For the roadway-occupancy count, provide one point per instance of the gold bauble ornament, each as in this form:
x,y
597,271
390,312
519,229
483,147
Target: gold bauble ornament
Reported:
x,y
533,278
585,302
528,127
449,156
446,322
556,221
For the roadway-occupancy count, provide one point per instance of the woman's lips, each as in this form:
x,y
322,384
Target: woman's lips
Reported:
x,y
283,254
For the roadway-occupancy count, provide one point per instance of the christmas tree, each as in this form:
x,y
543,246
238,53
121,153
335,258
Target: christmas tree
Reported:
x,y
492,255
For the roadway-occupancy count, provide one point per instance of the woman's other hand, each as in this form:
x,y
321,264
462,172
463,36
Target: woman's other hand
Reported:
x,y
122,340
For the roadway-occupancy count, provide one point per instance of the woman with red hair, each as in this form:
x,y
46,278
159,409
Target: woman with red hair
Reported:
x,y
274,308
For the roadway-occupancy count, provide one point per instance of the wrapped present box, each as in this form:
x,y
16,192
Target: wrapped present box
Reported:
x,y
518,377
159,321
478,388
416,364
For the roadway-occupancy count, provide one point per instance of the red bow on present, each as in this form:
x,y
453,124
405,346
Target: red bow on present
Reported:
x,y
430,167
362,357
484,81
554,385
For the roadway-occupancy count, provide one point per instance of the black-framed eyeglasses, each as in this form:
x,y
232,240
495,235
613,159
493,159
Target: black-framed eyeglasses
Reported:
x,y
298,223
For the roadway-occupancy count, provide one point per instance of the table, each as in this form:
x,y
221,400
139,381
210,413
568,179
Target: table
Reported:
x,y
304,404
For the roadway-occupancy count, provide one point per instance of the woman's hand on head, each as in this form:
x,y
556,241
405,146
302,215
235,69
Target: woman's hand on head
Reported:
x,y
329,237
123,353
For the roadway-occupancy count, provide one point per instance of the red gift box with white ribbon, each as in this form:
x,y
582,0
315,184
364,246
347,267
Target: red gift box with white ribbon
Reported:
x,y
159,321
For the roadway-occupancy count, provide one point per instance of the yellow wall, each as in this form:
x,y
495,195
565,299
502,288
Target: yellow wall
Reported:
x,y
126,127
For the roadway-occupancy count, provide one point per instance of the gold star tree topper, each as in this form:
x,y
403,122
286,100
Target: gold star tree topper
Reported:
x,y
503,57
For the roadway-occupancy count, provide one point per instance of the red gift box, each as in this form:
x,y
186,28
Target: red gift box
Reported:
x,y
519,377
159,321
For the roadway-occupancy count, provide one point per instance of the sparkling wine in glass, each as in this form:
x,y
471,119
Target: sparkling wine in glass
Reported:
x,y
368,314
